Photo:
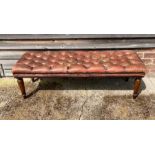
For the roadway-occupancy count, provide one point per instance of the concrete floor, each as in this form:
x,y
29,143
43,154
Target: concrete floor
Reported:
x,y
84,98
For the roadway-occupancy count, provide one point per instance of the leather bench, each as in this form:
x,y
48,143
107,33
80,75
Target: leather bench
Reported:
x,y
123,63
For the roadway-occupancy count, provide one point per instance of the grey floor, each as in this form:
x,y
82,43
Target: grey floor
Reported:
x,y
77,98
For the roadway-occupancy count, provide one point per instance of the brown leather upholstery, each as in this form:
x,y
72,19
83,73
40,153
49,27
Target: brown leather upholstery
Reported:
x,y
79,62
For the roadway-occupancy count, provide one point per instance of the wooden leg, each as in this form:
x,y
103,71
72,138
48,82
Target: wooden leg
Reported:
x,y
137,85
21,86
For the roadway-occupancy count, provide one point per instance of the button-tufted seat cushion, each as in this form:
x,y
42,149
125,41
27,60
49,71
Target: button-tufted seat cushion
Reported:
x,y
79,62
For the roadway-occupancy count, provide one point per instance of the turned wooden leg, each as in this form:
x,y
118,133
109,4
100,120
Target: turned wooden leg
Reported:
x,y
137,85
21,86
